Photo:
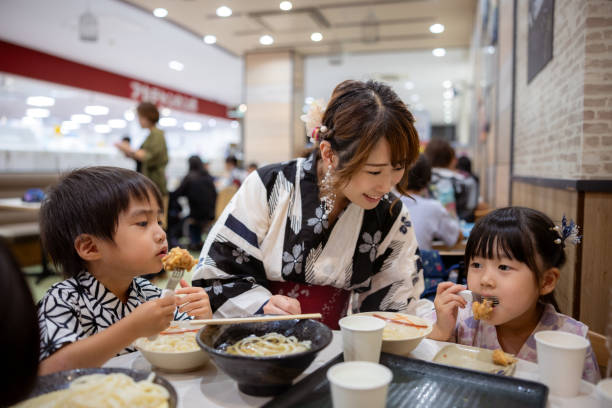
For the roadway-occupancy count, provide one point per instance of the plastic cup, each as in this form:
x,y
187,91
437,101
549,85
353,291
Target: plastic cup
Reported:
x,y
359,384
561,361
361,338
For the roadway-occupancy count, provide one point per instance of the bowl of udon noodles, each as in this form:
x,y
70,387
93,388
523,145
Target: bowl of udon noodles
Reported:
x,y
264,358
403,332
101,388
173,350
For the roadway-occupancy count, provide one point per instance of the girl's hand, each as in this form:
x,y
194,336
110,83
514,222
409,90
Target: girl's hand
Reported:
x,y
446,303
152,317
196,303
279,304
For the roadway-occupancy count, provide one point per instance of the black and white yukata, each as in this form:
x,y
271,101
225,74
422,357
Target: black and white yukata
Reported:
x,y
273,230
81,306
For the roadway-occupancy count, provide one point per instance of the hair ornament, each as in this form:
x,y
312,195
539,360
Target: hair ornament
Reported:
x,y
313,120
568,232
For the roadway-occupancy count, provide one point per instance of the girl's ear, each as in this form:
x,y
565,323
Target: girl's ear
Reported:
x,y
549,280
87,248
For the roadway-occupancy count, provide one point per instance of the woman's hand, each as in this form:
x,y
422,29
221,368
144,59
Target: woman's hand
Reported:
x,y
152,317
195,303
447,302
279,304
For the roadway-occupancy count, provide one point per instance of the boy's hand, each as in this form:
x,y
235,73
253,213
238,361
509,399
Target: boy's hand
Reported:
x,y
196,303
152,317
446,303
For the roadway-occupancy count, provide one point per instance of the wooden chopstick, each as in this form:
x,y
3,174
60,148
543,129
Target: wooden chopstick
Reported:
x,y
254,319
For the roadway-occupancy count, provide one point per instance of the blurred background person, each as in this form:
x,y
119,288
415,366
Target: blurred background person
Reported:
x,y
234,174
429,218
464,167
199,188
252,167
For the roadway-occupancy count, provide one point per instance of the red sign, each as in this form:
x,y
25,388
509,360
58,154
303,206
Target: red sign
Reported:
x,y
30,63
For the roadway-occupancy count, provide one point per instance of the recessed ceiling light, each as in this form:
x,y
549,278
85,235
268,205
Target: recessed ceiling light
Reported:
x,y
212,123
192,126
316,37
37,113
447,84
129,115
436,28
285,5
40,101
266,40
308,100
210,39
438,52
224,11
96,110
448,94
116,123
490,49
409,85
242,107
102,128
176,65
167,122
80,118
160,12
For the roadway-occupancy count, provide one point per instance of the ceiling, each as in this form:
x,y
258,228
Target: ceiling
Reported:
x,y
346,25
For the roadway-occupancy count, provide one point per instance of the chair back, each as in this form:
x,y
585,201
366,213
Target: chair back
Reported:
x,y
600,348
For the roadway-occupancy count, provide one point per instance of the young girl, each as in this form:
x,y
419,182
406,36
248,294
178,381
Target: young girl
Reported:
x,y
515,254
101,226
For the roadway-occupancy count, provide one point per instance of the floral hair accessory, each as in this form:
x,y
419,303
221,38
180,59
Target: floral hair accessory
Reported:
x,y
568,232
313,119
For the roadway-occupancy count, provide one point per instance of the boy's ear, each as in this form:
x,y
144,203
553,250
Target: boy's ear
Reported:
x,y
549,280
87,248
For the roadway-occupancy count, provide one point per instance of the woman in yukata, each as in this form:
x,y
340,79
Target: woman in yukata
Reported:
x,y
323,233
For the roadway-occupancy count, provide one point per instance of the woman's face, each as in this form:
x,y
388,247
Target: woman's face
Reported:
x,y
375,179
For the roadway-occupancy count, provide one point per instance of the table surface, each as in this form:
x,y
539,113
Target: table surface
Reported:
x,y
16,203
211,387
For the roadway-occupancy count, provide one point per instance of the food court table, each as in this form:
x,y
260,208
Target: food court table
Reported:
x,y
211,387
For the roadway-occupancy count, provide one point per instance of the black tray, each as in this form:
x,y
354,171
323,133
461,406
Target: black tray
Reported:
x,y
424,384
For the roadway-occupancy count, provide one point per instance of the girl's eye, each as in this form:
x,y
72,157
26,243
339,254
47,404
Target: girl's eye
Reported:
x,y
374,173
504,268
142,223
160,223
474,265
398,168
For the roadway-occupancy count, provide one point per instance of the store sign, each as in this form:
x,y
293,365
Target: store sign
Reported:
x,y
144,92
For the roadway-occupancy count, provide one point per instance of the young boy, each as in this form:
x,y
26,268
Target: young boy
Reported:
x,y
101,226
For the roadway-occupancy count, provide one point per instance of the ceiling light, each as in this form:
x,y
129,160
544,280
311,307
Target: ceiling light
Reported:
x,y
286,5
212,123
447,84
266,40
80,118
129,115
234,124
116,123
176,65
308,100
40,101
438,52
448,94
409,85
192,126
490,49
224,11
166,111
160,12
210,39
167,122
102,129
96,110
316,37
436,28
242,107
37,113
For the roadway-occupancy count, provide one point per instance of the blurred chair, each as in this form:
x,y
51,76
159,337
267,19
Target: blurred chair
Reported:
x,y
602,354
223,198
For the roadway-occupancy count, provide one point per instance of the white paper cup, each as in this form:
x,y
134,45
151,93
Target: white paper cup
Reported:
x,y
604,393
359,384
361,337
561,361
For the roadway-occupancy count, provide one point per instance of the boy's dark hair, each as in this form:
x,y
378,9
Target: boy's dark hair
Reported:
x,y
148,111
419,174
88,201
521,234
440,153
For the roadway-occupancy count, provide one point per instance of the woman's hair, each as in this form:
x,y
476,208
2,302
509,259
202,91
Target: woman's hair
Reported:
x,y
88,201
19,322
419,174
521,234
148,111
196,165
359,115
440,153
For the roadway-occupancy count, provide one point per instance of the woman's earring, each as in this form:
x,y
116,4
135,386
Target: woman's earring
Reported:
x,y
327,201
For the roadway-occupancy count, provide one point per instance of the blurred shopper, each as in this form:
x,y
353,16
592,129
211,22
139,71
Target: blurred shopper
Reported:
x,y
464,167
252,167
152,157
199,188
19,326
429,218
234,174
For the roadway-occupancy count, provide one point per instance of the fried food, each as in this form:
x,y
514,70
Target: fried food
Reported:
x,y
501,358
482,310
178,258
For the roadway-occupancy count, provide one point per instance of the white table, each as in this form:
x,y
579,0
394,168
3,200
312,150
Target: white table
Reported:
x,y
211,387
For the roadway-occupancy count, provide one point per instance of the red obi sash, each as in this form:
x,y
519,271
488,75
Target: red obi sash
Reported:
x,y
331,302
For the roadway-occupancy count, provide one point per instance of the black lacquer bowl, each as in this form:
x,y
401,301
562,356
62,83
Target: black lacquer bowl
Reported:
x,y
62,379
264,376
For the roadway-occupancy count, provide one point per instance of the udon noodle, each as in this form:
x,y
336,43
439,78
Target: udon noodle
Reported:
x,y
270,344
170,343
104,390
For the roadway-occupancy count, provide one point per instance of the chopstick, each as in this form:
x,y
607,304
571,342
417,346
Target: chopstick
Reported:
x,y
254,319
